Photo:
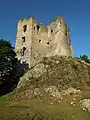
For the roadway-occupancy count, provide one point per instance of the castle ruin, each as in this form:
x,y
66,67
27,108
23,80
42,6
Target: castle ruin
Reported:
x,y
35,40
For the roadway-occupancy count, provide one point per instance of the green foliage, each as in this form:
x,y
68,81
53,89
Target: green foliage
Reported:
x,y
7,61
74,65
84,57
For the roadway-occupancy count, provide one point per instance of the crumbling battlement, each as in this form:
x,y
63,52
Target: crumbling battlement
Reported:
x,y
35,40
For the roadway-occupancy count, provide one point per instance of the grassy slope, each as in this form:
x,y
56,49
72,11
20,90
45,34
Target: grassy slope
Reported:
x,y
37,110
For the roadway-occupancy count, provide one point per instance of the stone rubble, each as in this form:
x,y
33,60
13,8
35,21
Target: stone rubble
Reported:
x,y
53,91
85,104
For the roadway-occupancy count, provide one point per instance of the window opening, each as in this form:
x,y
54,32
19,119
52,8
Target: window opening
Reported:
x,y
24,28
39,41
38,27
23,39
48,43
51,31
23,50
66,33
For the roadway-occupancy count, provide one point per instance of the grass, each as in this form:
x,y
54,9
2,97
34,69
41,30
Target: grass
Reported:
x,y
46,108
37,110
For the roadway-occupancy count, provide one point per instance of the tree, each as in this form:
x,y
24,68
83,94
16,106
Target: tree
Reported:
x,y
84,57
8,62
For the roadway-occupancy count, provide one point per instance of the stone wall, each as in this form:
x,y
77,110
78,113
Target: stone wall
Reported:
x,y
40,43
23,40
35,40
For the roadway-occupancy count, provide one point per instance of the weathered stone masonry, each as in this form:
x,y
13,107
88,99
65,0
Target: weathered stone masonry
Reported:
x,y
34,41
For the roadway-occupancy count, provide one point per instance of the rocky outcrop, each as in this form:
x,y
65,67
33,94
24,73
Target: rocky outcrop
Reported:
x,y
55,76
85,104
51,91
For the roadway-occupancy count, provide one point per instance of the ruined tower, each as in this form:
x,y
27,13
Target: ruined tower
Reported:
x,y
35,40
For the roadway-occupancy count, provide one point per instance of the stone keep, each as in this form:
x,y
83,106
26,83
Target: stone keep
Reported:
x,y
35,41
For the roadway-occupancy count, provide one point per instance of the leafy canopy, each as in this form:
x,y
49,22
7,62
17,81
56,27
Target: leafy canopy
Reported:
x,y
84,57
7,61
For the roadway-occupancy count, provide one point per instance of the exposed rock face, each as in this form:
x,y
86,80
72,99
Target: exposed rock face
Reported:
x,y
51,91
53,75
85,104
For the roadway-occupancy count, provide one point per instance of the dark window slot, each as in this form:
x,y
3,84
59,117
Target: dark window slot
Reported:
x,y
39,41
23,39
38,27
51,31
48,43
24,28
23,50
